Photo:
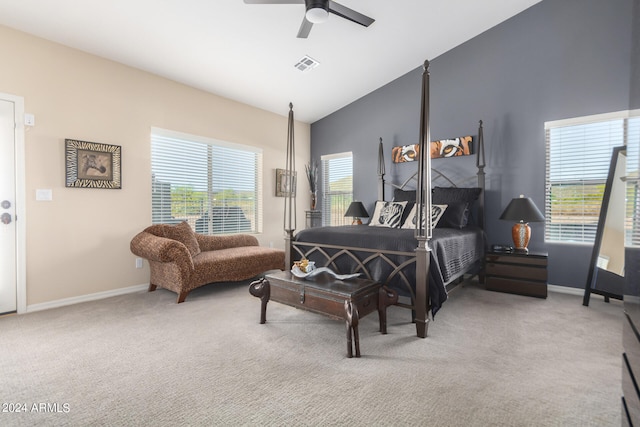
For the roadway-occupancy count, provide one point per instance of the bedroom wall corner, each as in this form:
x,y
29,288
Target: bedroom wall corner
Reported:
x,y
78,243
552,61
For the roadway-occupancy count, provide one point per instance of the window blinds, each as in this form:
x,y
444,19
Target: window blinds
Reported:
x,y
578,158
211,184
632,215
337,188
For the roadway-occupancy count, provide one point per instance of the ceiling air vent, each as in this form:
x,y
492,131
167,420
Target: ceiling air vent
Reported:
x,y
307,63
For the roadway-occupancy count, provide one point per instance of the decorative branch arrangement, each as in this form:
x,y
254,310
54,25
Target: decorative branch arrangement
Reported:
x,y
312,176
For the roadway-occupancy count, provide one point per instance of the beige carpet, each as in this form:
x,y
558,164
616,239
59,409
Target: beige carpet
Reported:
x,y
491,359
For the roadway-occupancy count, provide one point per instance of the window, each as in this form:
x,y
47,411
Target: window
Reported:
x,y
213,185
337,188
632,215
578,157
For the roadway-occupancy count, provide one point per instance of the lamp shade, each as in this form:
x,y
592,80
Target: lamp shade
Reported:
x,y
357,210
522,209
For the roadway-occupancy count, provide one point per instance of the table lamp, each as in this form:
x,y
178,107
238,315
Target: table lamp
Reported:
x,y
522,210
357,211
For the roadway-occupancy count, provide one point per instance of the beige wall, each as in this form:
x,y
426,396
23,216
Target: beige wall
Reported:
x,y
78,244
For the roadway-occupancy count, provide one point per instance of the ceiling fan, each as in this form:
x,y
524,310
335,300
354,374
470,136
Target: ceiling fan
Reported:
x,y
318,12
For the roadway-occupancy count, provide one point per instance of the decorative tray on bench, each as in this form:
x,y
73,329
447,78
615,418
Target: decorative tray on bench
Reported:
x,y
312,271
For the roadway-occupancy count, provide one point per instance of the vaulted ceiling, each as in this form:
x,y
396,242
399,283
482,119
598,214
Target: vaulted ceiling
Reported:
x,y
248,52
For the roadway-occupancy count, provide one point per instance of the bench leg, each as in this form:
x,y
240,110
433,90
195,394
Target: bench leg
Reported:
x,y
386,297
352,317
261,289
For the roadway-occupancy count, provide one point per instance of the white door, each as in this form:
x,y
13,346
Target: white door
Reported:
x,y
8,252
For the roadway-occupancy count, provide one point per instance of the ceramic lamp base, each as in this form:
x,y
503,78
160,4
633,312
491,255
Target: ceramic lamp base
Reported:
x,y
356,221
521,233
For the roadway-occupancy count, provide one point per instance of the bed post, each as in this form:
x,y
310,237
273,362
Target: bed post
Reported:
x,y
289,200
423,218
381,172
480,164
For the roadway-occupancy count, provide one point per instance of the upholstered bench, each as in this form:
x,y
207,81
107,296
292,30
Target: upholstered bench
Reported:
x,y
182,260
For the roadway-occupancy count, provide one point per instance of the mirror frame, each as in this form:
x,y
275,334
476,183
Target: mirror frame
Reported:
x,y
591,284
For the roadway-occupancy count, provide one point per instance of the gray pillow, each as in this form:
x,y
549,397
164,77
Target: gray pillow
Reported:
x,y
448,195
459,201
455,216
404,195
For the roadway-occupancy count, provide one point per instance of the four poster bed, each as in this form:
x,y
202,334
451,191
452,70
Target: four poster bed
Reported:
x,y
417,262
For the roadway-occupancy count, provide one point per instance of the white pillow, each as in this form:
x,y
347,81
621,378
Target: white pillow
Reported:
x,y
388,214
436,213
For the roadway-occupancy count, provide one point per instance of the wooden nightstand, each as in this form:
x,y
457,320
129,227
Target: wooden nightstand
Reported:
x,y
517,273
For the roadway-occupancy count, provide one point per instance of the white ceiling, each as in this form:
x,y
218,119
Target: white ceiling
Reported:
x,y
247,52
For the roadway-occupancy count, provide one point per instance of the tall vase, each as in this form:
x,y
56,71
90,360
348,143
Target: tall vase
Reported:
x,y
314,200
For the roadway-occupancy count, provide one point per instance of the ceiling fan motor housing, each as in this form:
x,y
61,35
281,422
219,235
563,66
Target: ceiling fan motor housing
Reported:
x,y
317,10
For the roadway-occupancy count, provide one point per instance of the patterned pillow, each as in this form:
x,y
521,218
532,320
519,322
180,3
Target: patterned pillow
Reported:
x,y
184,234
436,213
388,214
408,196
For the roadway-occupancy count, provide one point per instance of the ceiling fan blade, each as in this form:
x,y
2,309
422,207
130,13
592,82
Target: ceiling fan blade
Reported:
x,y
274,1
349,14
305,29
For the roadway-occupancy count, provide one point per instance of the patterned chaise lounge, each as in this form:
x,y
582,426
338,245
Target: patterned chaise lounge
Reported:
x,y
182,260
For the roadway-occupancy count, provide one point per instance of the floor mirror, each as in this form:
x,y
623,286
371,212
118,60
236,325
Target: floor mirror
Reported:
x,y
606,269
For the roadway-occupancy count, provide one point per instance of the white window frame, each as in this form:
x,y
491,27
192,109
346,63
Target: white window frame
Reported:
x,y
335,202
580,225
632,211
219,204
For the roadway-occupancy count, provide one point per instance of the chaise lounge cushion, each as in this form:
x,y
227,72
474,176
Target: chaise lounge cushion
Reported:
x,y
231,264
181,232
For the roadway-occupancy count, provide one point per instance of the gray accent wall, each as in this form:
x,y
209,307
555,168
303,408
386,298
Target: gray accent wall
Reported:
x,y
556,60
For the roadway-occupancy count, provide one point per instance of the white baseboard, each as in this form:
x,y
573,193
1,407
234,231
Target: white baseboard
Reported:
x,y
139,288
565,290
85,298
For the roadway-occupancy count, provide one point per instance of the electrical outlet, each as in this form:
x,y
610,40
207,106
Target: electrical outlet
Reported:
x,y
29,119
138,262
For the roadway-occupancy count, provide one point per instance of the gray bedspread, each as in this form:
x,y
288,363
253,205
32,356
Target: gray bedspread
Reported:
x,y
453,252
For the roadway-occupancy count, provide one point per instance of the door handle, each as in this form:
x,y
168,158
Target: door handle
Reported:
x,y
5,218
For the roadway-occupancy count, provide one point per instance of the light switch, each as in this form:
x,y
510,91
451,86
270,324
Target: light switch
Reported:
x,y
44,195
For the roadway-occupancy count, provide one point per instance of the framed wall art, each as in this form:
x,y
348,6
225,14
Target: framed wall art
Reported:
x,y
92,165
283,184
461,146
